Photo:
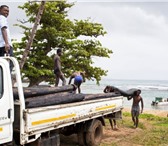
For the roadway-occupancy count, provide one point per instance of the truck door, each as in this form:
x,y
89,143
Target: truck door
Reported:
x,y
6,103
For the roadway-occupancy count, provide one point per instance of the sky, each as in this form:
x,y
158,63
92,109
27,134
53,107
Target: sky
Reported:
x,y
137,33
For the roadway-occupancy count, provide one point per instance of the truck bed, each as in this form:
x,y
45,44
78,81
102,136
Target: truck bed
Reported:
x,y
62,115
41,119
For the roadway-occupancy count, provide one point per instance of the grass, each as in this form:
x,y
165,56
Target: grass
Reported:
x,y
152,131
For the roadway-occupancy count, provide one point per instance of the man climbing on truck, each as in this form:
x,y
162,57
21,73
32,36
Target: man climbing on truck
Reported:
x,y
78,79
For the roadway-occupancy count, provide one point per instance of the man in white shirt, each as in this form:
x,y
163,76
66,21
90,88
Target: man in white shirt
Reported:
x,y
5,39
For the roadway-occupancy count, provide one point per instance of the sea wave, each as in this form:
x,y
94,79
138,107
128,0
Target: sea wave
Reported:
x,y
147,88
127,87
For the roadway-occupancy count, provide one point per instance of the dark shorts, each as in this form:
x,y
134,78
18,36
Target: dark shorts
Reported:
x,y
135,111
78,80
2,51
56,71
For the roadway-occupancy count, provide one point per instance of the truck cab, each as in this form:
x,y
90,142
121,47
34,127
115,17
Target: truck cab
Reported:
x,y
6,103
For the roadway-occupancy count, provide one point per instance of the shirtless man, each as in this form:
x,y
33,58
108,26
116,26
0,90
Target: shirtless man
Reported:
x,y
78,79
135,111
57,69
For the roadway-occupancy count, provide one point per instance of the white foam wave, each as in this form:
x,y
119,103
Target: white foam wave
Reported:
x,y
149,87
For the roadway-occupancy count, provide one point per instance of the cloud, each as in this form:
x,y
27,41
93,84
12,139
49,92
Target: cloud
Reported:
x,y
136,32
136,35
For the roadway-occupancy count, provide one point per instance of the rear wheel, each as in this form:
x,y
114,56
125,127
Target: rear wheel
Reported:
x,y
94,133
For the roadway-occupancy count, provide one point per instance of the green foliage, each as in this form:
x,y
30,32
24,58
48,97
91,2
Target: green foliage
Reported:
x,y
77,38
126,114
154,118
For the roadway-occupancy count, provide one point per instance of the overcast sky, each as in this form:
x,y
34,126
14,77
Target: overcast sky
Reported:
x,y
137,33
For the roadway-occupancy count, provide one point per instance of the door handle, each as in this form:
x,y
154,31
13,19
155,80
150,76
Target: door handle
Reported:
x,y
9,113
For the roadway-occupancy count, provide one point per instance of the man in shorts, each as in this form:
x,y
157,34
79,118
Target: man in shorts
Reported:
x,y
78,79
135,110
57,69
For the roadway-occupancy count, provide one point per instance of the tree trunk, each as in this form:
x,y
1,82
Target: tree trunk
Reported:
x,y
32,35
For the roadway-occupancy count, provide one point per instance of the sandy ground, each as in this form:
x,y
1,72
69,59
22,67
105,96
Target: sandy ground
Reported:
x,y
121,136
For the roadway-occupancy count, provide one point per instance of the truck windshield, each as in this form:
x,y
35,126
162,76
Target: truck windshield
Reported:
x,y
1,82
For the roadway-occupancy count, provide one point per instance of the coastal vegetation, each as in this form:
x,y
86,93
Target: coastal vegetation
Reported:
x,y
77,38
152,131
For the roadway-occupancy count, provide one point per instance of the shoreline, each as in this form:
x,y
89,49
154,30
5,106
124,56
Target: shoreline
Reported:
x,y
159,113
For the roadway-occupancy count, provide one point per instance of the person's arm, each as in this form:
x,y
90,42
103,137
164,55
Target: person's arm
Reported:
x,y
57,64
129,97
142,105
70,79
105,89
5,37
84,80
83,76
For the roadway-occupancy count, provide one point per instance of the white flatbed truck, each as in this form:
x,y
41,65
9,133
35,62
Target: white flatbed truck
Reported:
x,y
41,126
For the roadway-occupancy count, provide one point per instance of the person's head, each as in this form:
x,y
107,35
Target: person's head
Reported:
x,y
138,92
4,10
82,73
59,52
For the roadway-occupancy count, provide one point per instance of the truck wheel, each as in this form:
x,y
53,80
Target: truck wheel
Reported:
x,y
94,133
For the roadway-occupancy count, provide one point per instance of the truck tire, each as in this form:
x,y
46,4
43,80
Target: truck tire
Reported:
x,y
94,133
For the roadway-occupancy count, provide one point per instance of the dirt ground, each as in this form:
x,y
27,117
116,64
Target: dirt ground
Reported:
x,y
109,135
121,136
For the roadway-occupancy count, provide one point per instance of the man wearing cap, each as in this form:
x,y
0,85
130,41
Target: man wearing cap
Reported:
x,y
57,69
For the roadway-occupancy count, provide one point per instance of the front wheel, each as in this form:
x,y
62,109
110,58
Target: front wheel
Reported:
x,y
94,133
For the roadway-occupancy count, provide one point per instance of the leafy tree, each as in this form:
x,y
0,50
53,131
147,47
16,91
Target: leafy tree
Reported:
x,y
77,38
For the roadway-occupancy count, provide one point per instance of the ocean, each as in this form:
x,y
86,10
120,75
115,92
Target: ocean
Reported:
x,y
149,90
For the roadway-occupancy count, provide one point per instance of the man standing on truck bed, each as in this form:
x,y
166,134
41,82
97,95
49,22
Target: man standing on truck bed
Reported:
x,y
135,111
5,39
57,69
